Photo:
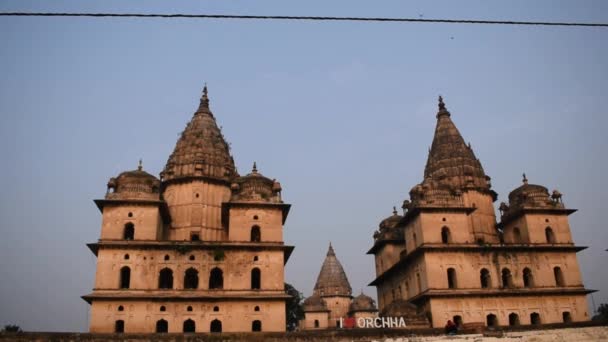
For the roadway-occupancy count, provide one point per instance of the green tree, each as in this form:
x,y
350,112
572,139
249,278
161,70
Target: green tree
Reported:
x,y
601,313
11,328
293,307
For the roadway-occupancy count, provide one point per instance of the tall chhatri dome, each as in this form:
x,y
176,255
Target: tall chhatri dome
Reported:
x,y
201,151
332,279
451,161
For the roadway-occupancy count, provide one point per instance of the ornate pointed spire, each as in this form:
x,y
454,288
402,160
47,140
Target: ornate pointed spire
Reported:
x,y
140,166
442,109
451,162
255,168
525,179
332,279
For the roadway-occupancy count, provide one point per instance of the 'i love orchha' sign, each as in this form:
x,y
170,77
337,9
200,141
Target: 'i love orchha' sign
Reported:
x,y
372,322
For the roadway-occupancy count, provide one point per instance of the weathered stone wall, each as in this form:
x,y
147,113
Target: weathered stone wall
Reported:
x,y
578,333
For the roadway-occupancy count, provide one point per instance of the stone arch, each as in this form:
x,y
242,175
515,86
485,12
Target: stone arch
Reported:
x,y
491,320
513,319
119,326
162,326
165,278
256,325
191,279
528,278
256,278
559,276
452,283
129,231
446,236
125,277
549,235
535,318
216,279
507,278
216,326
485,278
256,234
189,326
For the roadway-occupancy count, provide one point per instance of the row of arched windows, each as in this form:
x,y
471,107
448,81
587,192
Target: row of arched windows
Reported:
x,y
549,236
129,233
485,278
165,278
189,326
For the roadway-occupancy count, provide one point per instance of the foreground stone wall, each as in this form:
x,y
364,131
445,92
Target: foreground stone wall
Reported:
x,y
576,332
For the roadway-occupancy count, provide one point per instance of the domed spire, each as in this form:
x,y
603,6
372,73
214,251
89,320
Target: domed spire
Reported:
x,y
201,151
451,162
332,279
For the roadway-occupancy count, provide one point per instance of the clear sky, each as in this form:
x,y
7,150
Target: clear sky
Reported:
x,y
341,113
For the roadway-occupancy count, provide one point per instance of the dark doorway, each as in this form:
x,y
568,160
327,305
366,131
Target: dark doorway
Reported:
x,y
189,326
256,235
162,326
452,278
216,279
535,318
513,319
566,317
528,278
119,326
256,278
216,326
458,321
125,277
256,325
165,279
129,232
484,277
507,280
491,320
191,279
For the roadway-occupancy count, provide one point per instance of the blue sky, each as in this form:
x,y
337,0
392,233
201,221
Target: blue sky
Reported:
x,y
341,113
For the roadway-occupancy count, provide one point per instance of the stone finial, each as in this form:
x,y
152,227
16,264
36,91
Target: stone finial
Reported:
x,y
525,179
204,98
255,168
394,210
140,166
442,109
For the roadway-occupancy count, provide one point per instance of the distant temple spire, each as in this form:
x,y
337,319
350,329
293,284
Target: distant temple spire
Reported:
x,y
140,166
204,100
255,168
442,109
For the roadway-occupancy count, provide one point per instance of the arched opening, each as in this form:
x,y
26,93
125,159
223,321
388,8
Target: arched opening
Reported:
x,y
119,326
216,326
566,317
121,308
216,278
129,231
216,308
513,319
528,278
458,321
452,278
257,308
256,325
189,326
256,235
189,308
167,257
191,279
192,258
162,308
535,318
165,279
126,257
507,279
491,320
559,276
316,323
516,235
256,278
125,277
162,326
484,278
549,235
445,235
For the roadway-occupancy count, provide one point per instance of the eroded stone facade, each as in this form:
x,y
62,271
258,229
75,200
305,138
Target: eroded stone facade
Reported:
x,y
449,257
199,250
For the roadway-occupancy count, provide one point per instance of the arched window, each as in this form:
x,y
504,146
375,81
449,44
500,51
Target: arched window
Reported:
x,y
256,279
516,235
162,326
125,277
566,317
189,326
513,319
129,232
256,325
216,326
165,279
189,308
216,279
191,279
162,308
257,308
507,279
457,320
528,278
491,320
121,308
549,235
535,318
167,257
126,256
119,326
485,279
256,235
452,278
445,235
216,309
316,323
559,276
